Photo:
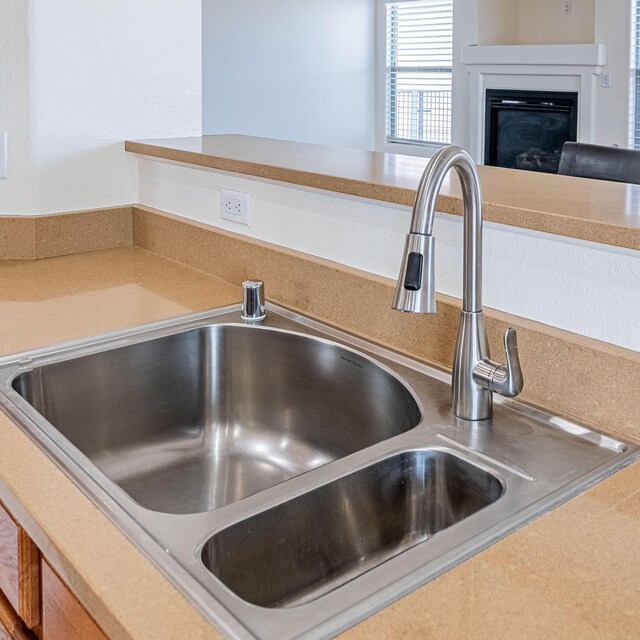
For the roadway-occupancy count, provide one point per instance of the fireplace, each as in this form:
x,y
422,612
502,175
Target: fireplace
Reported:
x,y
527,129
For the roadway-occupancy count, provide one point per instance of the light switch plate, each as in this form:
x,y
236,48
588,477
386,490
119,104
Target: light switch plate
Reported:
x,y
4,149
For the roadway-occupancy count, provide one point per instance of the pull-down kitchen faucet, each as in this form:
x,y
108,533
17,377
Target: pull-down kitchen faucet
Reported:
x,y
475,377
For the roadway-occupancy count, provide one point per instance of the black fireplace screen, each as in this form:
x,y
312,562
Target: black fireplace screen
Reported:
x,y
527,129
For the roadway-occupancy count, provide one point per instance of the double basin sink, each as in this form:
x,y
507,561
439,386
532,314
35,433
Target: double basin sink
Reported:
x,y
289,478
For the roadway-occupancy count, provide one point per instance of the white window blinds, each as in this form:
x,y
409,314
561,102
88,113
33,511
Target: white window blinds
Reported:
x,y
635,77
419,62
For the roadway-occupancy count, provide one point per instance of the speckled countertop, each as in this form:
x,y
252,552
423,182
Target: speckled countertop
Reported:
x,y
606,212
573,573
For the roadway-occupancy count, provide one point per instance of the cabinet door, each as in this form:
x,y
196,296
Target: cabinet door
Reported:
x,y
63,617
9,582
19,570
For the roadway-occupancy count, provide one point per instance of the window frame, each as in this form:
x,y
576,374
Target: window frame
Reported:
x,y
634,77
406,147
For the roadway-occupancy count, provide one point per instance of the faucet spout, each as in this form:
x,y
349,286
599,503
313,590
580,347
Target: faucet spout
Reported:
x,y
475,377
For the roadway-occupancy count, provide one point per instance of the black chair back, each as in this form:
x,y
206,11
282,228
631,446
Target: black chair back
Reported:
x,y
601,163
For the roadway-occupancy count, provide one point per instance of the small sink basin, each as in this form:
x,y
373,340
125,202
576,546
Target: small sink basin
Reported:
x,y
197,420
308,546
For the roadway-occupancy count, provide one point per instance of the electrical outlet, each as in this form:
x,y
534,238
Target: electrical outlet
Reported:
x,y
606,80
566,7
234,206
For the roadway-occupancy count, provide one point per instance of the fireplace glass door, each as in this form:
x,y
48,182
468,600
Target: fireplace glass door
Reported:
x,y
527,129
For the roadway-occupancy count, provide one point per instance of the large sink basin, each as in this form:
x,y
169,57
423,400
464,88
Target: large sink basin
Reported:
x,y
288,478
197,420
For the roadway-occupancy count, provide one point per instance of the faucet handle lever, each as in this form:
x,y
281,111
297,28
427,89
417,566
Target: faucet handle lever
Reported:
x,y
508,380
504,379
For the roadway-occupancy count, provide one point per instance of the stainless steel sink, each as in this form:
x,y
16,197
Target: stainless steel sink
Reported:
x,y
308,546
288,478
197,420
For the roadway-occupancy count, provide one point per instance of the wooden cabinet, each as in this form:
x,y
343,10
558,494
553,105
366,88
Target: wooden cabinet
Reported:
x,y
9,535
63,617
19,578
4,635
34,601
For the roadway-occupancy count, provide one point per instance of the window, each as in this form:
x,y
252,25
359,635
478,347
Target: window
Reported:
x,y
418,71
635,76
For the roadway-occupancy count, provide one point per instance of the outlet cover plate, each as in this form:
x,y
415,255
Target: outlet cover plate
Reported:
x,y
234,206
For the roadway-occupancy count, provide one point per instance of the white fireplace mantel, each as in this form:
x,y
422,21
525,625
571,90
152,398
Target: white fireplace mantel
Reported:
x,y
579,55
558,67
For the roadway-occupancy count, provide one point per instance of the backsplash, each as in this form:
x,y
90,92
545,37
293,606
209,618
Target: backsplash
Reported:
x,y
564,372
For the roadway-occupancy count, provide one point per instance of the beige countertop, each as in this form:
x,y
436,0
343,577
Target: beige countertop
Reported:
x,y
573,573
596,210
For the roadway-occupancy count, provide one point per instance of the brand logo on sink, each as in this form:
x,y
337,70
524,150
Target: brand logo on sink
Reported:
x,y
350,361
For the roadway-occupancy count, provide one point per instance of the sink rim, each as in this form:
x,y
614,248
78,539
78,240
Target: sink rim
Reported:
x,y
175,555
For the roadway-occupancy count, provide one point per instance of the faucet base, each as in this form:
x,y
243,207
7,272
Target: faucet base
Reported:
x,y
469,400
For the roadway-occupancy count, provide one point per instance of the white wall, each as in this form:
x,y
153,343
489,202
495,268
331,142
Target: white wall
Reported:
x,y
497,22
290,69
575,285
465,18
537,22
76,79
16,192
543,22
613,27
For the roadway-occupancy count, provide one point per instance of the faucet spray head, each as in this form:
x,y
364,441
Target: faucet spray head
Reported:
x,y
415,291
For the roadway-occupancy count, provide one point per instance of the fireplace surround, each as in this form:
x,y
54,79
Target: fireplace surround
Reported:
x,y
532,68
